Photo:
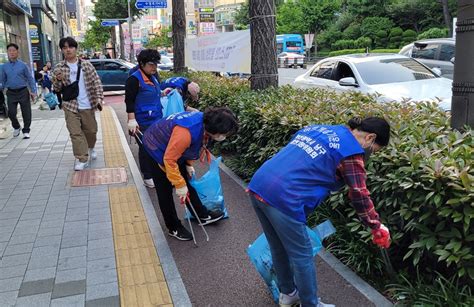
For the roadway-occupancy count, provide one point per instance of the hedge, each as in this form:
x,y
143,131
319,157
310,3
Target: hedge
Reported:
x,y
351,51
422,184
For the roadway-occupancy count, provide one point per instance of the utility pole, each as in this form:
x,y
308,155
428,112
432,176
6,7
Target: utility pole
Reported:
x,y
263,44
130,18
462,107
179,32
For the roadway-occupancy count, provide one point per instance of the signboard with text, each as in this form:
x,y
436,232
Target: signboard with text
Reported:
x,y
109,23
151,4
23,5
224,52
206,17
207,28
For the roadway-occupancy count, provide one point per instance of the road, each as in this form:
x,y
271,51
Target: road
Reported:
x,y
288,75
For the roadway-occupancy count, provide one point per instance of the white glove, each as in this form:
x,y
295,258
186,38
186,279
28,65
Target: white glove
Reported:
x,y
190,170
182,193
132,126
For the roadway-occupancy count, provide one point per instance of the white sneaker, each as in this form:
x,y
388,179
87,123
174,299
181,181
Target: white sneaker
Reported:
x,y
289,300
79,166
149,183
92,154
16,132
321,304
26,135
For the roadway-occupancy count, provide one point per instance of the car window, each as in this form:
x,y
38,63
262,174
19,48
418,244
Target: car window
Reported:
x,y
112,66
393,71
425,51
165,60
446,52
342,71
323,70
406,50
97,65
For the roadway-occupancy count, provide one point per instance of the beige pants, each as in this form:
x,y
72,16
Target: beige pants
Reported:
x,y
82,128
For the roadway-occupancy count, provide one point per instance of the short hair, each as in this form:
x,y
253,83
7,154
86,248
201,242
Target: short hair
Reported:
x,y
12,45
71,42
376,125
148,55
220,120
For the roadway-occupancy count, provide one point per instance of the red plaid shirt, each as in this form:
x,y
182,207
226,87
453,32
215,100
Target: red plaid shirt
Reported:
x,y
352,171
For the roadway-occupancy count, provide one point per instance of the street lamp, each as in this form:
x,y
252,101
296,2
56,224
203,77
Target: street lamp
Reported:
x,y
132,58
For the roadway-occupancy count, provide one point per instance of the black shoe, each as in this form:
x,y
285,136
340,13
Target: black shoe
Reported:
x,y
181,234
213,216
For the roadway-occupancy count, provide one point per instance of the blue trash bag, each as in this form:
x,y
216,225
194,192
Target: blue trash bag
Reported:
x,y
209,188
51,99
261,257
172,103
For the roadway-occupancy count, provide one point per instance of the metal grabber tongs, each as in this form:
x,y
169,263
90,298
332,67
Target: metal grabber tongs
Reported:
x,y
139,137
198,219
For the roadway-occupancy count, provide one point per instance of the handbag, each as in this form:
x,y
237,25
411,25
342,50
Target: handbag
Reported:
x,y
71,91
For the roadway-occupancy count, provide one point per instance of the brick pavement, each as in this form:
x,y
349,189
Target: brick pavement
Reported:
x,y
57,243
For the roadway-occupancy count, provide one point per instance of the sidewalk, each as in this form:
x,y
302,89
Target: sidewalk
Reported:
x,y
73,246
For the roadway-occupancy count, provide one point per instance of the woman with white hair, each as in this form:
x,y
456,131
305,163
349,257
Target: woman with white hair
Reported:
x,y
189,90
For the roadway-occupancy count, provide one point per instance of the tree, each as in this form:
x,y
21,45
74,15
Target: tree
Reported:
x,y
179,33
161,40
241,17
96,36
447,16
263,44
111,9
290,18
318,16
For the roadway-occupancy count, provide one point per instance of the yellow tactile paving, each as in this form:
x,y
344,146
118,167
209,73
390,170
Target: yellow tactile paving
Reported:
x,y
140,275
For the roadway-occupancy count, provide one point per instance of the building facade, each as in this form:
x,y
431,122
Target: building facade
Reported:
x,y
225,11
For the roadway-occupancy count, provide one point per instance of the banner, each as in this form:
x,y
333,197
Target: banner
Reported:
x,y
223,52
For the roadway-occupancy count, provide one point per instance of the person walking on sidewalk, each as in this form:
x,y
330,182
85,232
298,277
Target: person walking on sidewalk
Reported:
x,y
174,143
287,188
16,77
82,95
142,99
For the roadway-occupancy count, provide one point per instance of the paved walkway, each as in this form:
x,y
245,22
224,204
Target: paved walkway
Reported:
x,y
73,246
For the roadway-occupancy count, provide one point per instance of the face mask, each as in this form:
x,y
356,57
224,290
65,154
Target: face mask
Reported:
x,y
368,151
219,138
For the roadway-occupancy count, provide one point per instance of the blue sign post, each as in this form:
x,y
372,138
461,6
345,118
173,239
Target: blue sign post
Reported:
x,y
109,23
151,4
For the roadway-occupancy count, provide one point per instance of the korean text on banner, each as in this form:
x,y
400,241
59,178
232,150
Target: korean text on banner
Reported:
x,y
223,52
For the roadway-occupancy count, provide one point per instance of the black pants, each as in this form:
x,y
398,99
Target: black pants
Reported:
x,y
146,165
21,97
164,191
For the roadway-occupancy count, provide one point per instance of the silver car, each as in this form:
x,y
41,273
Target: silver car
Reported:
x,y
434,53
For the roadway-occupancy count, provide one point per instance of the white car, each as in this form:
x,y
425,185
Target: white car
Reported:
x,y
393,77
288,59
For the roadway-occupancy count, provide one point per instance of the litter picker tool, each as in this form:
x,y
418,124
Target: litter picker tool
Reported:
x,y
198,219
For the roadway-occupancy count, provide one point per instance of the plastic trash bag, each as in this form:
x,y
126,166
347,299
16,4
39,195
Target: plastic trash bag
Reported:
x,y
172,103
261,257
52,100
209,188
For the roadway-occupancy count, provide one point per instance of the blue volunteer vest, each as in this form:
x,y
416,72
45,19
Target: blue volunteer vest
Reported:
x,y
299,177
157,136
175,82
148,107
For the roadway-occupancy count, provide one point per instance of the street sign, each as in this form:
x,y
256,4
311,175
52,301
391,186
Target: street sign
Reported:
x,y
109,23
151,4
308,39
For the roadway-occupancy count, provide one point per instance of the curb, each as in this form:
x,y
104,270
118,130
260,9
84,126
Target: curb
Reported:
x,y
178,292
352,278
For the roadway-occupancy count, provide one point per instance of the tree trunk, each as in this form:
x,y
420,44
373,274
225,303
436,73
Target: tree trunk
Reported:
x,y
122,43
447,17
179,33
263,44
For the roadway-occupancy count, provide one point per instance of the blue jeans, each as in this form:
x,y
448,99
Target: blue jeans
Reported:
x,y
291,251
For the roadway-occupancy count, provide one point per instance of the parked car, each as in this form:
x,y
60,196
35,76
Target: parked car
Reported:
x,y
112,72
394,77
434,53
289,59
165,63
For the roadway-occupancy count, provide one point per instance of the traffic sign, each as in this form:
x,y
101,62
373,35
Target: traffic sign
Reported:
x,y
151,4
109,23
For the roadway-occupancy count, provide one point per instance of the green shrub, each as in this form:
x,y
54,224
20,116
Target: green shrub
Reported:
x,y
328,37
408,37
343,44
371,25
422,184
381,39
363,42
434,33
360,50
352,31
395,37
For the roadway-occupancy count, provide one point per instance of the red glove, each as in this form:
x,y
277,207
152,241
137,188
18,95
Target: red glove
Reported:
x,y
381,236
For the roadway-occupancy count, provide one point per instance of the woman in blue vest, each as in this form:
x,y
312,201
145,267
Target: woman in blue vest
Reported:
x,y
189,90
142,97
175,143
318,160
